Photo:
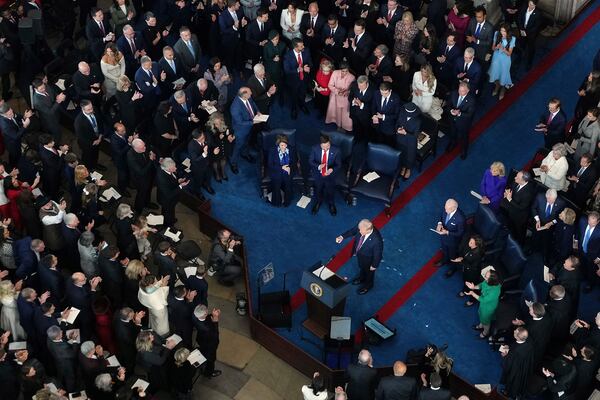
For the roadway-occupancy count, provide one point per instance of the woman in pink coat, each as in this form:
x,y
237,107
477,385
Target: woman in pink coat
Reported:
x,y
338,110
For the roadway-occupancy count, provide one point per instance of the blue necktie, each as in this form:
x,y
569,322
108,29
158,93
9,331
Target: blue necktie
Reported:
x,y
548,209
94,124
189,45
477,31
447,219
586,239
184,105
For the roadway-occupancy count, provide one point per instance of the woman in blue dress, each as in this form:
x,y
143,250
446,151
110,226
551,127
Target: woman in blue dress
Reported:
x,y
499,72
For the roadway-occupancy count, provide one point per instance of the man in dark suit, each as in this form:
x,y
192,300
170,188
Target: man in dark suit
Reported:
x,y
132,46
545,210
552,124
13,126
263,89
200,155
71,234
360,98
435,390
53,163
358,47
451,228
127,325
98,33
231,24
333,37
529,21
449,53
80,294
297,66
325,163
397,386
516,204
510,10
112,272
64,354
181,309
183,114
368,249
257,35
197,282
120,143
154,35
51,279
379,65
361,378
148,79
167,189
173,67
27,254
589,248
203,91
207,327
87,83
165,256
89,129
243,110
468,70
460,107
384,110
311,26
480,34
389,14
408,128
141,167
188,52
582,180
47,104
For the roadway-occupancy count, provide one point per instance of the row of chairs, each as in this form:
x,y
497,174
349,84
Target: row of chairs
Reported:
x,y
358,159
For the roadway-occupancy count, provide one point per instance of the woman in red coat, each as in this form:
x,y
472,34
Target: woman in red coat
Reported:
x,y
13,188
104,323
322,92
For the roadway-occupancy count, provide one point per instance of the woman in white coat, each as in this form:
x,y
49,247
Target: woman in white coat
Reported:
x,y
153,295
423,88
554,168
9,316
112,65
290,22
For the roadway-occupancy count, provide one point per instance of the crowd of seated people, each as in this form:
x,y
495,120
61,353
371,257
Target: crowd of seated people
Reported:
x,y
153,85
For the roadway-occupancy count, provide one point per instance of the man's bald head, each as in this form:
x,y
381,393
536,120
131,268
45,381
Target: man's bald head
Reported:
x,y
399,368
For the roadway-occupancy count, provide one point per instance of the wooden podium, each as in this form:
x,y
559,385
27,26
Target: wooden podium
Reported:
x,y
324,298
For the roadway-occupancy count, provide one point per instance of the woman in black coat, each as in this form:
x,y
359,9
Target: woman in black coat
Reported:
x,y
165,135
129,104
470,262
562,239
181,379
153,357
401,77
126,241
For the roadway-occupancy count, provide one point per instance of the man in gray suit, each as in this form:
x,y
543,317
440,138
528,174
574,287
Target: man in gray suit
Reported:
x,y
48,106
188,51
479,35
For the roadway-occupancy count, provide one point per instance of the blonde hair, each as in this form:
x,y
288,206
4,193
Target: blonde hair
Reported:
x,y
181,356
569,216
81,174
123,80
325,65
7,290
134,269
430,76
498,167
143,342
210,124
442,362
408,15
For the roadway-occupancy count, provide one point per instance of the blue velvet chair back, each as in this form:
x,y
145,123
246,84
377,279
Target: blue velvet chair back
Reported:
x,y
485,223
382,159
342,141
268,138
513,259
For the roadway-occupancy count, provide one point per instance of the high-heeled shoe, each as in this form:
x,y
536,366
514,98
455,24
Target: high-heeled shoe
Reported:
x,y
225,178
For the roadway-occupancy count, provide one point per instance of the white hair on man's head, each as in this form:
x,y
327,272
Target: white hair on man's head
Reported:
x,y
167,163
470,51
137,143
258,68
53,332
179,94
201,311
463,397
364,357
104,382
551,194
70,218
87,347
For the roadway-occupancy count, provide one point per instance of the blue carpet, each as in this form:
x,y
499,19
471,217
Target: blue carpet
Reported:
x,y
293,239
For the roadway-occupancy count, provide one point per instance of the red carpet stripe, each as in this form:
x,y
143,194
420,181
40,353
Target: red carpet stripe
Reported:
x,y
443,161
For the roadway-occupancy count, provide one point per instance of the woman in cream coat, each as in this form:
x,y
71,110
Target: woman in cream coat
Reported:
x,y
112,65
589,133
153,295
423,88
290,22
554,168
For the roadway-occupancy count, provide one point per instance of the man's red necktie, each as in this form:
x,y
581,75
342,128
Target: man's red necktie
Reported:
x,y
377,61
301,72
324,162
360,243
549,119
389,16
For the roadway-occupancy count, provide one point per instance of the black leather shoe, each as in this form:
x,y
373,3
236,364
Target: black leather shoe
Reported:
x,y
356,281
153,205
215,373
234,169
449,273
294,114
315,208
332,210
362,291
209,189
225,178
438,264
100,167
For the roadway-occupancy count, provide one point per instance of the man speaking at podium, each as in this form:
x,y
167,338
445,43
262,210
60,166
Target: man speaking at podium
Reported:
x,y
368,249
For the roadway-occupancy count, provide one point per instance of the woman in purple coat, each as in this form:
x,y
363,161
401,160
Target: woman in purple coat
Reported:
x,y
493,185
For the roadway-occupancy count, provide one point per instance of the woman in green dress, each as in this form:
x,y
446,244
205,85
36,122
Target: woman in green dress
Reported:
x,y
273,59
488,301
